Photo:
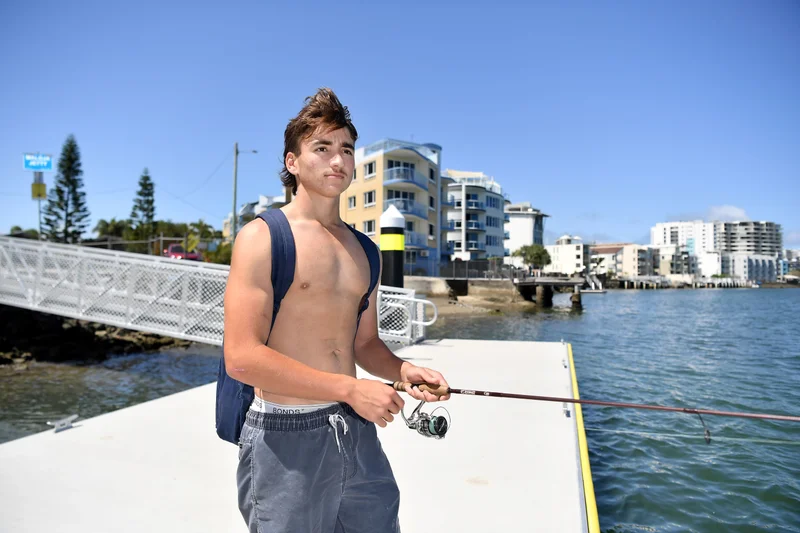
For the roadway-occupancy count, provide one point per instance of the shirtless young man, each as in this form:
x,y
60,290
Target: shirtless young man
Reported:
x,y
310,459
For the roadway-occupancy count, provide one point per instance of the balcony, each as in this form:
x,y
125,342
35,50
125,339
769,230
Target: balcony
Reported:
x,y
397,176
506,235
407,207
475,205
415,240
506,252
476,225
475,245
448,202
450,225
506,217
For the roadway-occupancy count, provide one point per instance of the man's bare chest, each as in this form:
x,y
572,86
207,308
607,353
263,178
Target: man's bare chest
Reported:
x,y
327,266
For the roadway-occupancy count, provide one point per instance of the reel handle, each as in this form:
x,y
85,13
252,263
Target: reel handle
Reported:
x,y
436,390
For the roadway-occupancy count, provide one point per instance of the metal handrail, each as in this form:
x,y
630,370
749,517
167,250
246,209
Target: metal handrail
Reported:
x,y
181,299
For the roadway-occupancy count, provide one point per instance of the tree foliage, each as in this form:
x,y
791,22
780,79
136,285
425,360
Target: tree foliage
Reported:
x,y
66,216
144,209
533,254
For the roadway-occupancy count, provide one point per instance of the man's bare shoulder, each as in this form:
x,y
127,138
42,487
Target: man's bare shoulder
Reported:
x,y
253,245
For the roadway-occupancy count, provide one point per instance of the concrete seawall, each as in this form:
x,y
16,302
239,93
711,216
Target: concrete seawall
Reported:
x,y
440,287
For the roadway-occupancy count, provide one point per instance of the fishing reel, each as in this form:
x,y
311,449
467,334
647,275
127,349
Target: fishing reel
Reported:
x,y
427,424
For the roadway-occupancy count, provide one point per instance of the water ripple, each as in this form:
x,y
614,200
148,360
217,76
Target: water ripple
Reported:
x,y
732,350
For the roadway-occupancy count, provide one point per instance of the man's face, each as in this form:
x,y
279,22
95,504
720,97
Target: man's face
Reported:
x,y
325,163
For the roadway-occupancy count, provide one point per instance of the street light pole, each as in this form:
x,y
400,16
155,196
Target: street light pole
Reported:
x,y
235,218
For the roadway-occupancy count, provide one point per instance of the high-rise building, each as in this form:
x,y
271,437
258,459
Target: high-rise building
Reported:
x,y
525,227
406,175
697,236
759,238
475,223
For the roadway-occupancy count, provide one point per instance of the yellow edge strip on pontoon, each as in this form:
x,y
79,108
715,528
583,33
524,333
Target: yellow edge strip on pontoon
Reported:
x,y
586,469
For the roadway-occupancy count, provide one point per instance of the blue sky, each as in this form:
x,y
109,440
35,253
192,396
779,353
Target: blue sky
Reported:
x,y
608,116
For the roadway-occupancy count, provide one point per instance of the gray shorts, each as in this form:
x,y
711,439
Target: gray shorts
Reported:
x,y
318,472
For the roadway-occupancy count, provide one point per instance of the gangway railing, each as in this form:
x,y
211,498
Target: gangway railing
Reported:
x,y
169,297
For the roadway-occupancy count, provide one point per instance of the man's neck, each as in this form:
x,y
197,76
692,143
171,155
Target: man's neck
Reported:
x,y
310,206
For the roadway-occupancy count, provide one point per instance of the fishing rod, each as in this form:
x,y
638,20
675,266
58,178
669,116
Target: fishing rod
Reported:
x,y
437,426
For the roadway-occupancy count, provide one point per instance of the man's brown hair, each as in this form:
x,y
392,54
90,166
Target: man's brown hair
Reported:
x,y
322,111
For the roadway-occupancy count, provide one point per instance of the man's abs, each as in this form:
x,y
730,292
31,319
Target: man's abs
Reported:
x,y
318,334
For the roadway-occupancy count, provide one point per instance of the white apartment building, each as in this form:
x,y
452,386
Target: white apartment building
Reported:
x,y
607,258
250,210
525,227
711,264
568,256
475,225
759,238
753,267
696,236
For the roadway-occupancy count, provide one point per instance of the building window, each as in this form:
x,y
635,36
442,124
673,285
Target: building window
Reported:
x,y
351,202
431,174
369,198
400,164
411,257
431,202
431,230
409,225
369,227
405,195
369,170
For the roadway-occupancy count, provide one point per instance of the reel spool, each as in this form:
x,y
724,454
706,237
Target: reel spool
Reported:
x,y
427,425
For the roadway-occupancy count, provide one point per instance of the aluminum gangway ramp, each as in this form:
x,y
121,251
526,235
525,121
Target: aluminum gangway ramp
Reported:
x,y
170,297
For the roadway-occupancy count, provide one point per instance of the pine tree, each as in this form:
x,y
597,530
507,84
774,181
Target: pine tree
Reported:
x,y
66,216
144,208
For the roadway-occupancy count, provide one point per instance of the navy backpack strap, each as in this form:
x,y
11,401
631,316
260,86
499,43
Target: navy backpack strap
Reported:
x,y
234,397
374,257
283,256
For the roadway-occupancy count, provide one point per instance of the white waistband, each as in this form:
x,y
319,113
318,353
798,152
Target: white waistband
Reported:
x,y
261,405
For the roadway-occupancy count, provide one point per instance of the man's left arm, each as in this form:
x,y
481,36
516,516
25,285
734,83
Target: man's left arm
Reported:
x,y
375,357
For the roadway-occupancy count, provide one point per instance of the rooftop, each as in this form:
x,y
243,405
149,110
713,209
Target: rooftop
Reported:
x,y
429,151
475,179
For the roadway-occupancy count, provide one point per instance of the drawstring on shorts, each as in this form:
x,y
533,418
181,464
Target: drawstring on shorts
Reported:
x,y
332,420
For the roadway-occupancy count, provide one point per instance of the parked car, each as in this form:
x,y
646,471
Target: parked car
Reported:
x,y
176,251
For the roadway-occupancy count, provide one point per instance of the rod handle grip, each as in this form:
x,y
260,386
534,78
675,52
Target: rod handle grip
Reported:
x,y
436,390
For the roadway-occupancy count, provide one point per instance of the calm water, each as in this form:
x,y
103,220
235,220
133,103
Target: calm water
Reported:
x,y
736,350
733,350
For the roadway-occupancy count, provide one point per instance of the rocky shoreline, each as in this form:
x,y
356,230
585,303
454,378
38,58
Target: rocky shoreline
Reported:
x,y
28,336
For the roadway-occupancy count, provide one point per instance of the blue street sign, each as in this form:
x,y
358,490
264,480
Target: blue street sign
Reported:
x,y
39,162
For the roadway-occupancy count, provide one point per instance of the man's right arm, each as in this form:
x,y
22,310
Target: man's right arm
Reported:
x,y
248,319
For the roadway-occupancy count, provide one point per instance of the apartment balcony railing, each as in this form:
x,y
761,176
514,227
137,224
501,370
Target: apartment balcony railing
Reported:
x,y
407,207
450,225
476,205
475,245
448,201
506,217
506,235
393,176
415,240
506,252
476,225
